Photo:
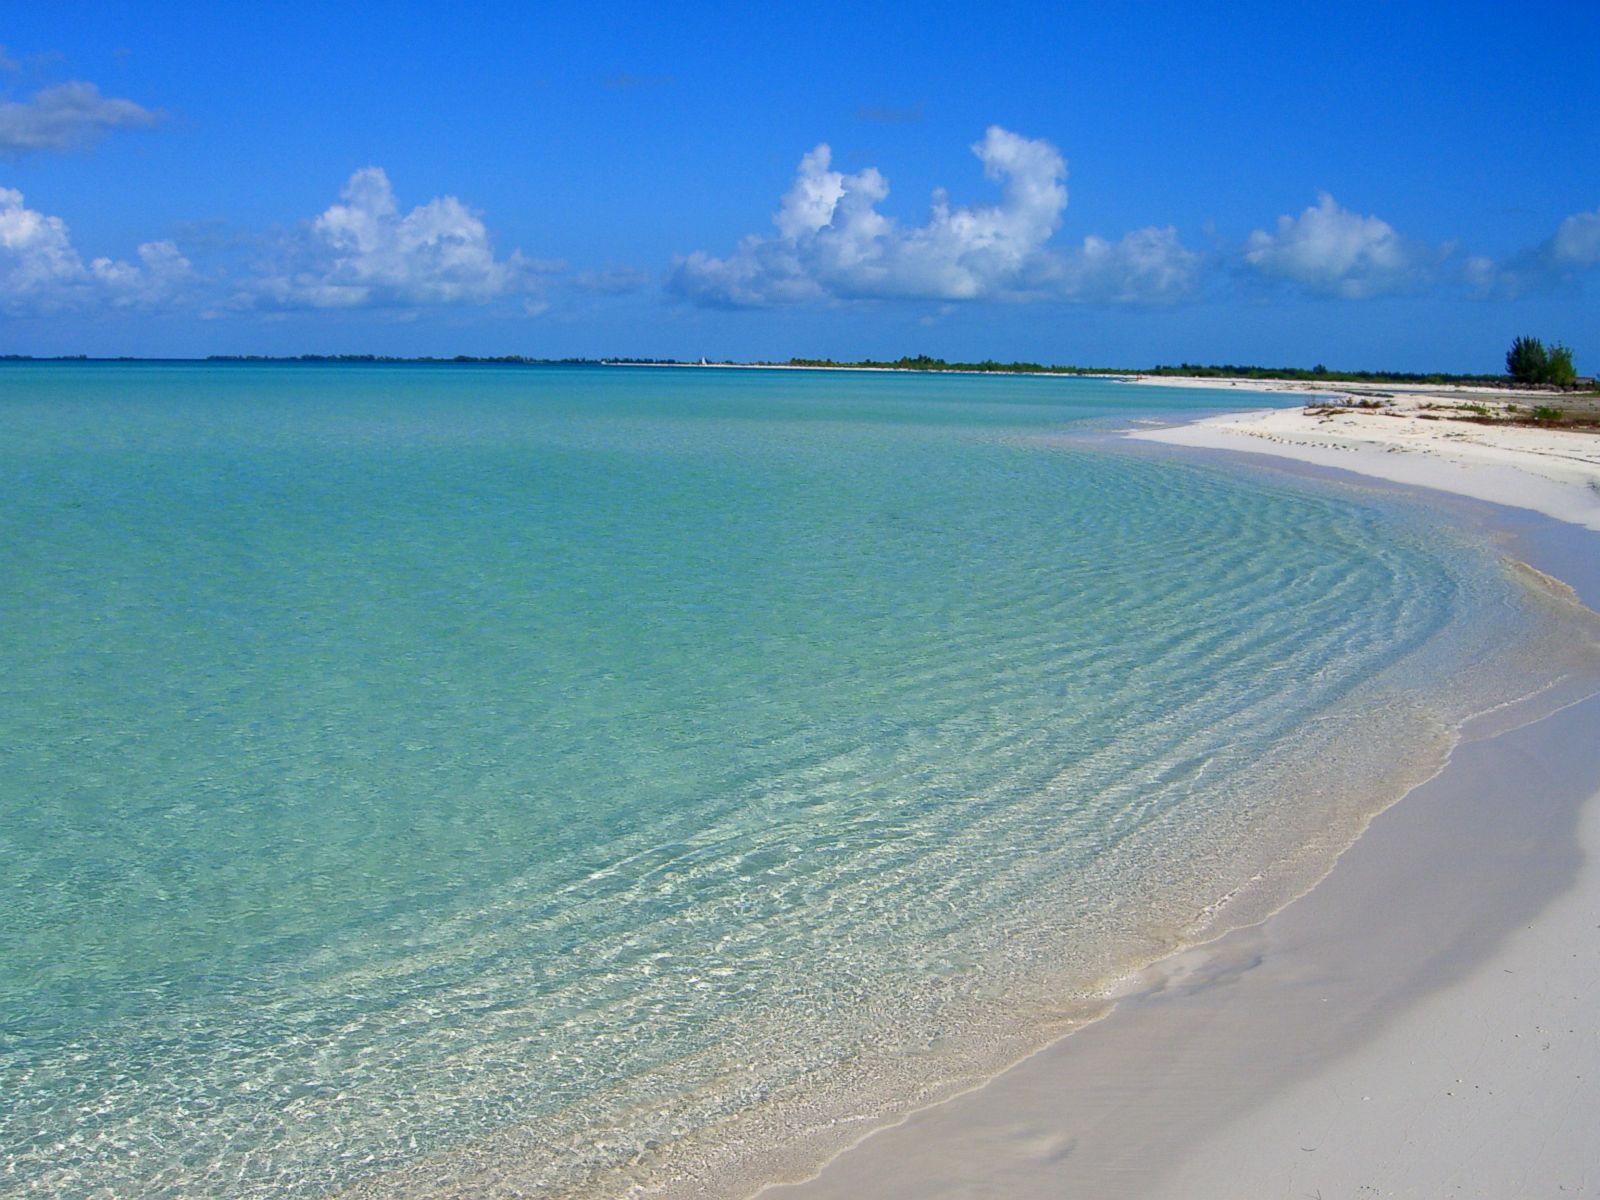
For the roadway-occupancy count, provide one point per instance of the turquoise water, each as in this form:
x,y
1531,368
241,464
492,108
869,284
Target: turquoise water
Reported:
x,y
548,777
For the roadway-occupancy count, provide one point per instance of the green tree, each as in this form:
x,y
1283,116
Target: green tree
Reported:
x,y
1527,360
1558,367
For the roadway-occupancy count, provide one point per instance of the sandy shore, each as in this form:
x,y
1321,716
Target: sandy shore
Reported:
x,y
1552,471
1422,1023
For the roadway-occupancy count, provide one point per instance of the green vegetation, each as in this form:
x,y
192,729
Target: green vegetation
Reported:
x,y
1528,361
1560,370
1317,374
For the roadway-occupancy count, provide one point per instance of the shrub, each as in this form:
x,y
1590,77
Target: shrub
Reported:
x,y
1558,367
1526,361
1529,362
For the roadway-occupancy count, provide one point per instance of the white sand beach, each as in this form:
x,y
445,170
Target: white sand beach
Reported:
x,y
1552,471
1422,1022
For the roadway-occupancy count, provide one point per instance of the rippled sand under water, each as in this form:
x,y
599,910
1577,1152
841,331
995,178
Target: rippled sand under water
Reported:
x,y
560,781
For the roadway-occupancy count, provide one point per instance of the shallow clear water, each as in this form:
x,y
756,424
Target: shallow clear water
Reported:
x,y
397,758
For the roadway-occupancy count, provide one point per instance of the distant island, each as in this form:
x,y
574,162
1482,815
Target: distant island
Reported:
x,y
919,362
1318,373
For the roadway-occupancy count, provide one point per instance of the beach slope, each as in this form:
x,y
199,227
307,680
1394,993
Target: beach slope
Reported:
x,y
1420,1024
1549,470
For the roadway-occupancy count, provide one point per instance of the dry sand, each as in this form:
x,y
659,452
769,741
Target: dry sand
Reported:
x,y
1423,1023
1553,471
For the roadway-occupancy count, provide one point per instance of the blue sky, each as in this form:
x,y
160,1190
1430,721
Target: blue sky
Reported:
x,y
1380,185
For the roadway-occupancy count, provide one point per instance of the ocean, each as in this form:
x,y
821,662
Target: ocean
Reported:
x,y
432,780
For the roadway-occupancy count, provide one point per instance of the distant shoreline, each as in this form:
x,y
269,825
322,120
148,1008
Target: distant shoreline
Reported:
x,y
1184,375
1495,398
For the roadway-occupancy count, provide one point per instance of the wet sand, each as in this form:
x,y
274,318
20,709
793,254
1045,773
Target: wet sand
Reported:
x,y
1421,1023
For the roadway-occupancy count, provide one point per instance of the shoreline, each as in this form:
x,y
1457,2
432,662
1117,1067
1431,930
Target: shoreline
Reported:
x,y
1555,472
1226,1069
1188,382
1324,1048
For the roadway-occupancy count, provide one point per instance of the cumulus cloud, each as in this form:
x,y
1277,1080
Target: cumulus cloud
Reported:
x,y
1576,244
1556,262
65,117
364,252
41,272
1147,266
832,242
1331,250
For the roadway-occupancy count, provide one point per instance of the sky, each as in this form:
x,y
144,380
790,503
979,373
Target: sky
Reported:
x,y
1400,186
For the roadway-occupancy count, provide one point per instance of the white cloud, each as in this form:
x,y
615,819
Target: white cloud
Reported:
x,y
1332,250
833,243
364,252
1556,262
1577,241
40,271
1480,273
1147,266
65,117
37,251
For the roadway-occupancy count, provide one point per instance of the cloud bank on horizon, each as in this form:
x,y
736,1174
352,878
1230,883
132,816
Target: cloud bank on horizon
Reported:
x,y
363,253
831,245
41,272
